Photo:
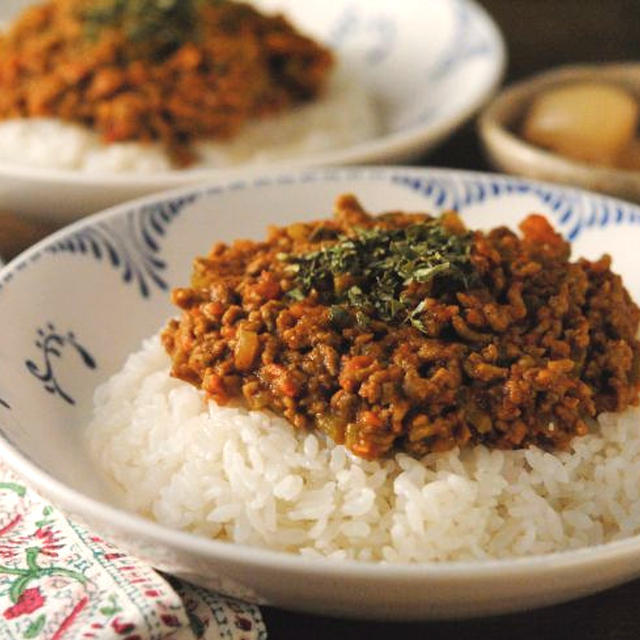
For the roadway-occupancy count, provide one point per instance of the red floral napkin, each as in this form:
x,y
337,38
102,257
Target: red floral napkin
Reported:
x,y
59,581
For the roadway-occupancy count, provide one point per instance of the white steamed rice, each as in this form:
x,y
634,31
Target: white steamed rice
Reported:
x,y
344,116
248,477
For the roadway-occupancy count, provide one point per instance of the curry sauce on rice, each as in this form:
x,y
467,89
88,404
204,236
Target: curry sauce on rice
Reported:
x,y
390,388
145,70
403,332
155,85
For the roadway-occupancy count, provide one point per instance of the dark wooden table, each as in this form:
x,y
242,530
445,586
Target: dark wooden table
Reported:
x,y
540,34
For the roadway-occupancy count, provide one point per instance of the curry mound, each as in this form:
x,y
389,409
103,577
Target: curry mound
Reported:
x,y
408,332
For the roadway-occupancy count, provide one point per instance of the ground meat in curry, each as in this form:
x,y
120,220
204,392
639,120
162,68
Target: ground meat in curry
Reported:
x,y
405,332
145,70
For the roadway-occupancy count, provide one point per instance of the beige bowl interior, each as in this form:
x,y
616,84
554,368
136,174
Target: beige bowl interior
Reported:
x,y
507,151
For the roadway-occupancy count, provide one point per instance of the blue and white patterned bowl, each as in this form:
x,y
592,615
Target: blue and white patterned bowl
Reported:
x,y
429,63
75,305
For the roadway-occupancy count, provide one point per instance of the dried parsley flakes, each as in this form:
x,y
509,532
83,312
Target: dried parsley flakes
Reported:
x,y
155,28
371,272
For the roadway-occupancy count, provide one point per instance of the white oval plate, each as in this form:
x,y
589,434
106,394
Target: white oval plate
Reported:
x,y
429,63
75,305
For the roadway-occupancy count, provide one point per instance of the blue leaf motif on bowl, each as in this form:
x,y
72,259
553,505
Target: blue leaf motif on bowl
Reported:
x,y
574,212
52,343
460,193
467,41
130,243
375,36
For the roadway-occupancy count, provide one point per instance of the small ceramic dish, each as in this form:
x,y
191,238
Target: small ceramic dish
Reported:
x,y
75,305
428,65
508,151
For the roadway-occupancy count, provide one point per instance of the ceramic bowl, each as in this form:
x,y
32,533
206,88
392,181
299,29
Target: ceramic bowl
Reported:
x,y
509,152
429,66
76,304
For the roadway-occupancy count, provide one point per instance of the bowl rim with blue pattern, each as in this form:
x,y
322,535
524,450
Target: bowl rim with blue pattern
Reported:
x,y
131,249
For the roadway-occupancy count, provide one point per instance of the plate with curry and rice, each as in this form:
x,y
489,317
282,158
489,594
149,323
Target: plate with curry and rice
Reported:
x,y
104,100
371,392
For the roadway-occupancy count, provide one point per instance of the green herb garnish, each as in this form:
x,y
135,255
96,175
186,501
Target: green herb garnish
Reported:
x,y
370,272
155,28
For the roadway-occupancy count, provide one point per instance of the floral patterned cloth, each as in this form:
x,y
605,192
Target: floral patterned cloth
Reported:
x,y
59,581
